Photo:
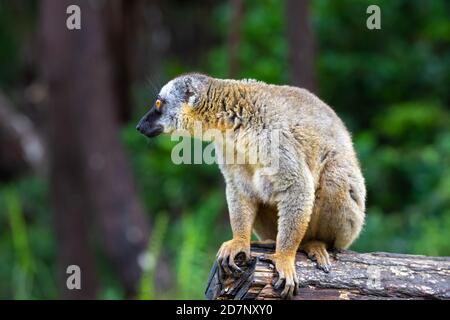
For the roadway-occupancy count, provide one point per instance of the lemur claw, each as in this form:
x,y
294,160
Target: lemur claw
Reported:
x,y
228,252
287,277
324,267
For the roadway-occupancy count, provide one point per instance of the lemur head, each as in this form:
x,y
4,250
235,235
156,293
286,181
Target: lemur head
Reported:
x,y
174,105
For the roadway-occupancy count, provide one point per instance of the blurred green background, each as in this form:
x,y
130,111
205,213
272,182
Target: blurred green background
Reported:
x,y
390,86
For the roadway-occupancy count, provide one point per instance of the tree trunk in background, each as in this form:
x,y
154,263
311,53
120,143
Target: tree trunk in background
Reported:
x,y
237,9
89,174
300,39
122,21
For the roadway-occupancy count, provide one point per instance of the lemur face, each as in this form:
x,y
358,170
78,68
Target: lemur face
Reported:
x,y
166,115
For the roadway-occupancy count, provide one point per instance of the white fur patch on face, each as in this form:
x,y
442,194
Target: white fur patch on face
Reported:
x,y
170,109
165,91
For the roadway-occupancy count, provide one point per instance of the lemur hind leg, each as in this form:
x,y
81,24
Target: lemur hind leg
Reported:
x,y
317,251
339,210
343,205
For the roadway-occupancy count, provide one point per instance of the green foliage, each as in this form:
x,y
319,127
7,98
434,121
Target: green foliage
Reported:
x,y
147,283
195,252
363,71
406,162
15,22
27,262
24,268
262,48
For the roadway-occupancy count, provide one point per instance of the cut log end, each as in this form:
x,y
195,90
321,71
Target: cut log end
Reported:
x,y
353,276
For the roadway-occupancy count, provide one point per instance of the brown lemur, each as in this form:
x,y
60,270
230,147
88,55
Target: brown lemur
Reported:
x,y
314,201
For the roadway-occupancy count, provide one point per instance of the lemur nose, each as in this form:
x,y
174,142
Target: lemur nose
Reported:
x,y
138,127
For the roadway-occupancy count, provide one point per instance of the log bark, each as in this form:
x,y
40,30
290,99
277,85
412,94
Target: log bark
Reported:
x,y
354,276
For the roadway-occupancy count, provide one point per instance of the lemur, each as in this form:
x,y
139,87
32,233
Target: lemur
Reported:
x,y
314,201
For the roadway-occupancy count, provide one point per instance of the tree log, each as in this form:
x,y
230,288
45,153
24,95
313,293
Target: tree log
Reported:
x,y
353,276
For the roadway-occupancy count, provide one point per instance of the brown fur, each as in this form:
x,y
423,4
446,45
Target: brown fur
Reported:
x,y
315,201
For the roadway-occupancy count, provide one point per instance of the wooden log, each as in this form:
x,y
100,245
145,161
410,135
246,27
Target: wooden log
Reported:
x,y
353,276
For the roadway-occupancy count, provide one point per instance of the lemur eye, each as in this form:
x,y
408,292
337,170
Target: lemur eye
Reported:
x,y
158,104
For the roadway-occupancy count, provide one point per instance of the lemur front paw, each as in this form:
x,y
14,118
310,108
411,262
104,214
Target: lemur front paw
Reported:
x,y
228,251
285,265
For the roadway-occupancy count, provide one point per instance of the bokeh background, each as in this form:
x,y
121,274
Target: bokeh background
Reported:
x,y
79,185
